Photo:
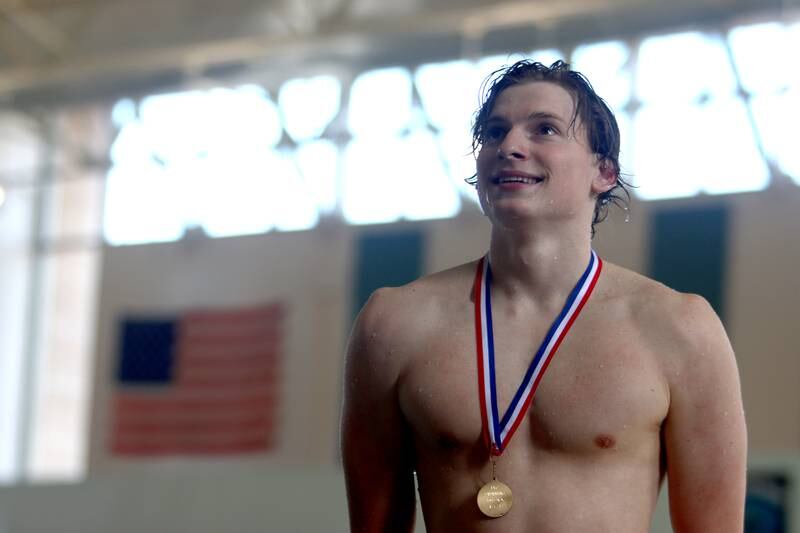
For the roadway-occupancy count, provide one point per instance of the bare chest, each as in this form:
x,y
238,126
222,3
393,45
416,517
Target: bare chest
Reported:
x,y
602,390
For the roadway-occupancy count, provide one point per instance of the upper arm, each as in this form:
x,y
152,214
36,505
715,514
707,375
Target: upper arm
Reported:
x,y
376,446
704,434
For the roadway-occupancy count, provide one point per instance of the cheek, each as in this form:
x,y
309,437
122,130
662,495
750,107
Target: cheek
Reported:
x,y
483,168
483,160
578,168
483,199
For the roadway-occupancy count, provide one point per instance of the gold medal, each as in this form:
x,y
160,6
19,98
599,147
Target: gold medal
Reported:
x,y
494,499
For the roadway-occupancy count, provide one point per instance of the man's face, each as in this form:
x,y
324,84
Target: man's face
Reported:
x,y
532,163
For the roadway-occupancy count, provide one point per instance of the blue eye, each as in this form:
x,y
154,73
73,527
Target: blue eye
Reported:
x,y
547,129
494,133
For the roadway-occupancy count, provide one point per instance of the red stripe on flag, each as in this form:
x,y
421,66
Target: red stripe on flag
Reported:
x,y
129,403
234,381
153,448
197,426
221,355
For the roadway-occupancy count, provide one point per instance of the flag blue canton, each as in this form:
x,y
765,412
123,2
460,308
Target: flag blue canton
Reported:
x,y
146,352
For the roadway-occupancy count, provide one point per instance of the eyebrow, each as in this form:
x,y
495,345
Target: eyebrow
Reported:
x,y
536,115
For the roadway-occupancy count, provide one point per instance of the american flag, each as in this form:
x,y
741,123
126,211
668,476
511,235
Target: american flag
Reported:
x,y
204,383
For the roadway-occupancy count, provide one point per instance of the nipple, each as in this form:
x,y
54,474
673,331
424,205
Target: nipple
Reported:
x,y
605,441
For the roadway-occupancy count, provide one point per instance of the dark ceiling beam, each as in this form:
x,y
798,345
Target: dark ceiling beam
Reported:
x,y
38,29
198,56
360,43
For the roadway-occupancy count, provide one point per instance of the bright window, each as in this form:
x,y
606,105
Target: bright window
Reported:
x,y
380,102
136,188
371,179
455,147
606,66
290,195
308,105
206,158
693,135
20,147
732,162
758,52
627,144
776,117
449,93
123,112
16,269
49,226
386,179
683,151
233,193
427,189
662,160
318,163
683,67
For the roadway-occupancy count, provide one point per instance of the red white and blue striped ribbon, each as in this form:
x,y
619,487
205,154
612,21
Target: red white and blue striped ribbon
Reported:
x,y
497,431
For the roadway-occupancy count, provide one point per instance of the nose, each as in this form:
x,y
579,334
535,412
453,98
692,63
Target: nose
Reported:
x,y
512,146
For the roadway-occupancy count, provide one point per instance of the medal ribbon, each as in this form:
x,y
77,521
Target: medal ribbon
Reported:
x,y
497,431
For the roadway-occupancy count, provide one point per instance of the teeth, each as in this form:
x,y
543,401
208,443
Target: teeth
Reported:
x,y
517,179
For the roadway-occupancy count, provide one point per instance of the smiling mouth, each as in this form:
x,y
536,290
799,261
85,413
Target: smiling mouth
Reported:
x,y
500,180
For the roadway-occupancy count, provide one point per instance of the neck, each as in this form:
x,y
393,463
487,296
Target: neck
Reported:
x,y
543,266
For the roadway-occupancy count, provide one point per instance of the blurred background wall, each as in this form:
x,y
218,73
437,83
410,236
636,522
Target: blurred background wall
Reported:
x,y
162,165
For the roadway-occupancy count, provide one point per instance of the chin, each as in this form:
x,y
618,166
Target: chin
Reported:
x,y
517,207
512,218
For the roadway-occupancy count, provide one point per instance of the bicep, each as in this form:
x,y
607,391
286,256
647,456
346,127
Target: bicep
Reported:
x,y
376,446
704,434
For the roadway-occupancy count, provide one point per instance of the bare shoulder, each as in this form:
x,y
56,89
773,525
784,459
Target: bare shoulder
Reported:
x,y
410,306
703,433
394,329
681,328
395,319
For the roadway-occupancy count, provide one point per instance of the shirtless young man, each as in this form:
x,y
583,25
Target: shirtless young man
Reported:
x,y
643,384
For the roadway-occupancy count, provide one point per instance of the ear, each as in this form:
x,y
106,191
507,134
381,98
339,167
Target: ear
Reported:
x,y
606,177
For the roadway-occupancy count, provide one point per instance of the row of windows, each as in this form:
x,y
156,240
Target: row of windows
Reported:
x,y
699,113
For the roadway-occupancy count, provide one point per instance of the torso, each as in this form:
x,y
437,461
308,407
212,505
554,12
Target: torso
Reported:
x,y
587,455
